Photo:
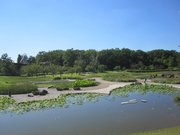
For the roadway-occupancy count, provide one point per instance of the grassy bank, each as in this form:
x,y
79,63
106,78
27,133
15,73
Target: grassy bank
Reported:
x,y
166,131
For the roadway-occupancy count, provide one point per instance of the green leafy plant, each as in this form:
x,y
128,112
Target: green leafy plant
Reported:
x,y
84,83
64,100
6,102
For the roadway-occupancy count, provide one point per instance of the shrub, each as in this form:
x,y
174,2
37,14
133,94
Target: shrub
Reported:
x,y
50,87
84,83
57,78
77,88
61,89
68,76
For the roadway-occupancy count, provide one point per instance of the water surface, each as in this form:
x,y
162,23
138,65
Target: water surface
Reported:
x,y
105,116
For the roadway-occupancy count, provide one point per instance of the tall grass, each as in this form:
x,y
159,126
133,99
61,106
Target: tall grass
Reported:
x,y
21,88
119,77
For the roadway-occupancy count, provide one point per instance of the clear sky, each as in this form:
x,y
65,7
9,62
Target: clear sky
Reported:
x,y
30,26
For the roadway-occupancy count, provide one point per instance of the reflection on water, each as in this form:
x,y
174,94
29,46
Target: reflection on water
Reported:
x,y
103,116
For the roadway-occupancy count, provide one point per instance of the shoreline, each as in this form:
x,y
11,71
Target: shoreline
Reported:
x,y
104,87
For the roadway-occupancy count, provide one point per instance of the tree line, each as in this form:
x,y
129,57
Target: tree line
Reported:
x,y
60,61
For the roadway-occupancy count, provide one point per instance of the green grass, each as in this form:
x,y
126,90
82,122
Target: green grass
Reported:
x,y
68,84
17,88
69,76
124,76
166,131
167,80
119,77
19,85
61,83
12,82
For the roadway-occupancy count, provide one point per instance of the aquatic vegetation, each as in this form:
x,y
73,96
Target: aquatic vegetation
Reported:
x,y
177,99
166,131
143,89
8,104
79,99
38,105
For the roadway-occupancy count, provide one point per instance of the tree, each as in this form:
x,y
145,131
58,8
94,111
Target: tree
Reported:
x,y
7,66
19,58
31,60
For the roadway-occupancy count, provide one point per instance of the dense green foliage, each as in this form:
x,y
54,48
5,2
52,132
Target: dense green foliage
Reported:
x,y
166,131
84,83
78,61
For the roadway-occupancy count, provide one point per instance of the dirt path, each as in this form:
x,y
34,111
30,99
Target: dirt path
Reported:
x,y
104,87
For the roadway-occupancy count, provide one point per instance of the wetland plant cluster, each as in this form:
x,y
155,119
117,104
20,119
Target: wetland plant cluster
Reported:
x,y
10,105
143,89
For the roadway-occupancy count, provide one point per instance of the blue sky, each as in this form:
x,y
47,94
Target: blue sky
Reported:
x,y
30,26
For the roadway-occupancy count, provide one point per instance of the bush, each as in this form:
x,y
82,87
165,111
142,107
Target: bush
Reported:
x,y
68,76
61,89
84,83
77,88
18,89
57,78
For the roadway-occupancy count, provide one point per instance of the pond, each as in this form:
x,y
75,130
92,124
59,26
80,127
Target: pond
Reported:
x,y
101,115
